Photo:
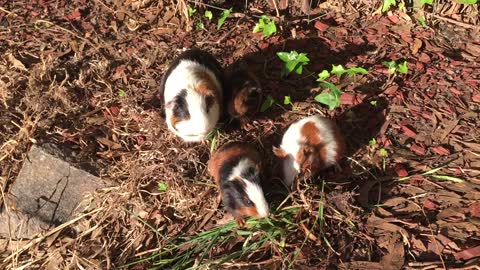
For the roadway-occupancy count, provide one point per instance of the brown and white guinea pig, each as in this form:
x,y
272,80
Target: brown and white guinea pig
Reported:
x,y
309,145
237,170
192,92
245,94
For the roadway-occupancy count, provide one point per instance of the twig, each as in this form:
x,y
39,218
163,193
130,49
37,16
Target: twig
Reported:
x,y
466,25
8,12
68,31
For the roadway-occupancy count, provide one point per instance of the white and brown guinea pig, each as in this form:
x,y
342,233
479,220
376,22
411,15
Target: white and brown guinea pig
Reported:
x,y
309,145
245,94
237,170
192,91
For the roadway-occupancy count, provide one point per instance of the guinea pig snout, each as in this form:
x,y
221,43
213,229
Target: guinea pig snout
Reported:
x,y
255,194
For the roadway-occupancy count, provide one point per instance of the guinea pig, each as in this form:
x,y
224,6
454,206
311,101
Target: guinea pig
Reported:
x,y
245,94
309,145
237,170
192,91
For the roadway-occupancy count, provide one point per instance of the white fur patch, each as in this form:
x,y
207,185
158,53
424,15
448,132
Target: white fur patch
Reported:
x,y
293,138
254,191
200,123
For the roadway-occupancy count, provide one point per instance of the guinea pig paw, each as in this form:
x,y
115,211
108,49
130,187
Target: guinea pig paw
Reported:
x,y
240,222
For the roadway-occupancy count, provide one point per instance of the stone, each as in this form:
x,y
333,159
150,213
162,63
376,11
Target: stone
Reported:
x,y
45,194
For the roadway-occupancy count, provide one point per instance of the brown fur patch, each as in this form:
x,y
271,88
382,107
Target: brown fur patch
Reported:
x,y
174,120
279,152
247,211
311,133
227,152
238,106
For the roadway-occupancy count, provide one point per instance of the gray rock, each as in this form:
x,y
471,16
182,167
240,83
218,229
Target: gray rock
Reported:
x,y
45,194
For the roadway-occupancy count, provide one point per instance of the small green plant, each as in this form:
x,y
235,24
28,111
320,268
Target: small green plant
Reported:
x,y
121,93
208,14
422,22
225,14
288,101
373,142
191,11
199,25
332,98
428,2
269,101
387,4
468,2
393,67
266,25
162,187
293,62
433,173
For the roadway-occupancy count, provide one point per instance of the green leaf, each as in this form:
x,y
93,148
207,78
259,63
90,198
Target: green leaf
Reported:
x,y
287,100
373,102
302,58
291,66
208,15
265,24
199,26
422,22
428,2
322,76
373,142
403,68
356,70
225,14
162,187
448,178
191,11
332,87
338,70
391,66
383,152
121,93
468,2
269,101
328,99
284,56
387,4
299,68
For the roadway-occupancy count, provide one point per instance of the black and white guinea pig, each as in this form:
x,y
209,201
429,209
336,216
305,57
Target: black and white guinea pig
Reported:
x,y
237,170
309,145
245,93
192,91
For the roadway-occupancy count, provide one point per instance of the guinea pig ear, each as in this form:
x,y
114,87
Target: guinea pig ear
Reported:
x,y
279,152
170,105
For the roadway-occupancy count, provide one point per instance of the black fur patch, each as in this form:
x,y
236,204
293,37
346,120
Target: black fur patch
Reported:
x,y
234,195
180,109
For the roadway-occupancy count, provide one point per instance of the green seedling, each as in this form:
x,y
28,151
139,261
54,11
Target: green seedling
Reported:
x,y
332,98
199,26
191,11
269,101
162,187
387,4
121,93
266,25
393,67
293,62
225,14
288,101
422,22
373,142
373,103
208,14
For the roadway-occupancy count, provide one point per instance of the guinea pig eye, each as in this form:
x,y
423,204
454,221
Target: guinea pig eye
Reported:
x,y
247,202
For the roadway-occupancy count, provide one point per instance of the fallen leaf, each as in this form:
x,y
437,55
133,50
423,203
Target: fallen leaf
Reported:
x,y
435,247
467,254
417,44
347,99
